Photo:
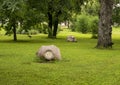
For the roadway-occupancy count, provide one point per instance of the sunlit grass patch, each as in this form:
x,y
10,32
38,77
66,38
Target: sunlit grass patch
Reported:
x,y
81,64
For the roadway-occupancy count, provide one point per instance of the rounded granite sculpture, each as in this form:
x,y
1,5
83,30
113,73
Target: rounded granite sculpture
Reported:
x,y
50,52
71,38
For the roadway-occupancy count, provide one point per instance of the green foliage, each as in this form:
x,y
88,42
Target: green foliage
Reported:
x,y
81,24
32,18
91,8
11,13
35,29
56,11
85,24
94,26
45,28
116,14
28,13
33,32
78,4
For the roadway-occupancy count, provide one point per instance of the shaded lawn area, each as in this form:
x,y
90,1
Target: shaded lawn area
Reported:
x,y
81,63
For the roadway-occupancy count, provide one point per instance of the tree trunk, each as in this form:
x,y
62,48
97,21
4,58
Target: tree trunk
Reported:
x,y
55,26
14,32
105,22
50,19
49,25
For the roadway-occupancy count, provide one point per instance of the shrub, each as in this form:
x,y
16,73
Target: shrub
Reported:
x,y
81,24
33,32
85,24
94,26
60,28
45,29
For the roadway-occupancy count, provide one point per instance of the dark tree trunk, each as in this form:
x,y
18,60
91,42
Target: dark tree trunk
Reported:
x,y
50,19
14,32
49,25
56,18
105,22
55,26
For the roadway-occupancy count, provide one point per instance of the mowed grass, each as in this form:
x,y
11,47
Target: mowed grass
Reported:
x,y
81,63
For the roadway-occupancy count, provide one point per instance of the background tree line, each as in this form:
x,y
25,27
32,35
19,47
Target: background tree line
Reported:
x,y
45,15
29,13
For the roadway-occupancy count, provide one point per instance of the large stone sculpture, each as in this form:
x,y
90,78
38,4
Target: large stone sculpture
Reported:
x,y
50,52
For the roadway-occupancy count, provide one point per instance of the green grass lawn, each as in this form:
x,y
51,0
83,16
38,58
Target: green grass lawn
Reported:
x,y
81,63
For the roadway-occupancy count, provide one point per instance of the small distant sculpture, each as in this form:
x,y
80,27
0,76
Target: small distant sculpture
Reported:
x,y
71,38
29,36
50,52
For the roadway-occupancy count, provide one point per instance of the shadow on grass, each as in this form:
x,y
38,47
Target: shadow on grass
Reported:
x,y
38,60
43,40
11,41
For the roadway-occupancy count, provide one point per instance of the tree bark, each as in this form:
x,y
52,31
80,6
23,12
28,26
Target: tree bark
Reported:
x,y
56,22
50,19
105,22
49,25
55,26
14,32
13,26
